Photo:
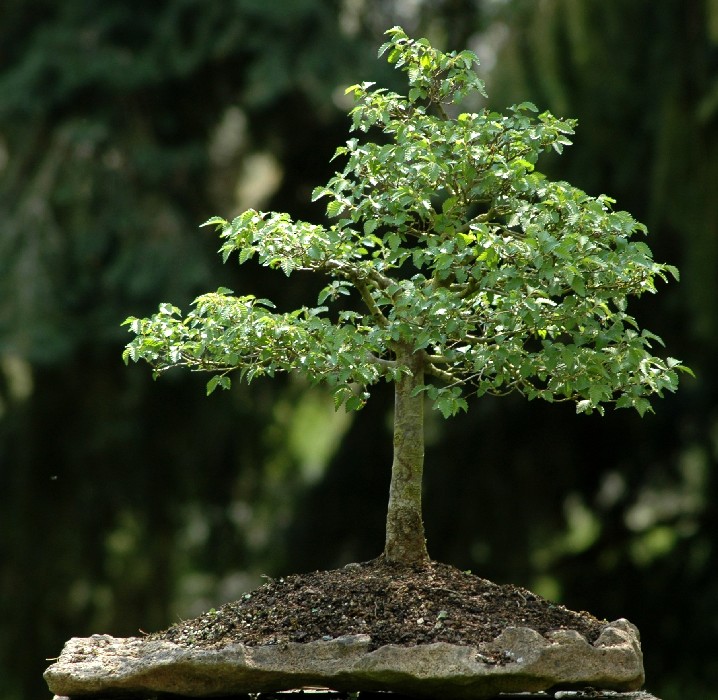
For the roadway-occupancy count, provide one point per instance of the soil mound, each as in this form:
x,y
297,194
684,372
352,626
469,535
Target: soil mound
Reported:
x,y
405,606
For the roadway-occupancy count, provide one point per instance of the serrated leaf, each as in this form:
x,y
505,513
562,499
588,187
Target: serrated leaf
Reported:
x,y
218,380
643,406
244,255
319,192
324,294
355,403
596,394
584,406
673,272
215,221
383,48
530,106
262,302
578,285
334,208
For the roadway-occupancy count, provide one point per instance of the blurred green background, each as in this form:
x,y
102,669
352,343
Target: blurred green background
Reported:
x,y
126,504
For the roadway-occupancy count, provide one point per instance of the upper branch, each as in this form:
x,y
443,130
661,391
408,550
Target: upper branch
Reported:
x,y
363,288
434,371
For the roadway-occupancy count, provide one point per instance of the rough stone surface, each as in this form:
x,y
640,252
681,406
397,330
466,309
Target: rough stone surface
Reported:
x,y
104,665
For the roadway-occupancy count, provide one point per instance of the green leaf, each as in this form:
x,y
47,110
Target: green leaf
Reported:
x,y
355,402
527,106
382,49
578,285
673,272
217,221
370,226
319,192
218,380
416,94
334,208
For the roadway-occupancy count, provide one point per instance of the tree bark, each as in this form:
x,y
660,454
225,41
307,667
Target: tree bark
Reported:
x,y
405,541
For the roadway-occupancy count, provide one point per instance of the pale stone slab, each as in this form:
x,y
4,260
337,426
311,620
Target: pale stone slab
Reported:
x,y
104,665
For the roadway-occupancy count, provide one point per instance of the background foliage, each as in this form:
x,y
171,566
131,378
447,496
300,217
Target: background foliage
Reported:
x,y
126,503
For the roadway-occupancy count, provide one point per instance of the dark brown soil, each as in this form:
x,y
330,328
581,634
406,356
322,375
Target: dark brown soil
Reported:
x,y
394,605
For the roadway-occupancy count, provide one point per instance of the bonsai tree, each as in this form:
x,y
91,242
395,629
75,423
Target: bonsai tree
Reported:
x,y
453,267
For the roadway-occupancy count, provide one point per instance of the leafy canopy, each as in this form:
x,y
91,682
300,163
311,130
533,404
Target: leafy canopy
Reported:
x,y
446,240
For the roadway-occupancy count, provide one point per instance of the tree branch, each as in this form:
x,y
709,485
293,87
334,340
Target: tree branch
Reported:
x,y
369,300
467,289
442,112
382,281
434,371
385,364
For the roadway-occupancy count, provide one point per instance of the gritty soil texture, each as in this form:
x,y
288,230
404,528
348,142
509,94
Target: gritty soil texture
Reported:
x,y
410,605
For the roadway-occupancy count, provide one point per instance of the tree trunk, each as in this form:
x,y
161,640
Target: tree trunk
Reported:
x,y
405,541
